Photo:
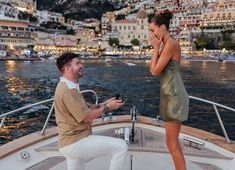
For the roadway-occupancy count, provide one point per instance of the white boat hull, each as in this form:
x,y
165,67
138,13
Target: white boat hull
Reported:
x,y
150,153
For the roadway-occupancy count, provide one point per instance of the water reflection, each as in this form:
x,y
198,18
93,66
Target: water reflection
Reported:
x,y
15,84
223,67
10,66
186,63
204,64
27,83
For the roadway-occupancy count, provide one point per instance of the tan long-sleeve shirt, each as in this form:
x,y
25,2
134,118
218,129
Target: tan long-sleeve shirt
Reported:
x,y
70,111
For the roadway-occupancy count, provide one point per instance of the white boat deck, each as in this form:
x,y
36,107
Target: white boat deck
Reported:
x,y
149,152
147,141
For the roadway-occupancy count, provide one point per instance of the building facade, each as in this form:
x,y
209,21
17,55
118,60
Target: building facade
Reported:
x,y
55,43
133,29
7,11
16,34
29,6
47,16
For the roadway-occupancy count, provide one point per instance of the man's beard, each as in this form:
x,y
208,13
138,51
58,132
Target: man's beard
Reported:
x,y
78,74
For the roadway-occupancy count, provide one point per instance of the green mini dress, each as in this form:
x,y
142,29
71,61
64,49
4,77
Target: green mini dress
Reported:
x,y
174,99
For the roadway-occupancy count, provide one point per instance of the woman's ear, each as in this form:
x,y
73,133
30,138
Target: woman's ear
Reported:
x,y
163,28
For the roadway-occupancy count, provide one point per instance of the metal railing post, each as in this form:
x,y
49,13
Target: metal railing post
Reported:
x,y
4,115
221,124
2,122
50,112
48,117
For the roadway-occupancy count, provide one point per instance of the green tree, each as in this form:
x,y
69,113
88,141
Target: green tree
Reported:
x,y
202,42
70,31
120,17
33,19
227,34
22,15
113,42
135,42
53,25
228,45
27,16
147,47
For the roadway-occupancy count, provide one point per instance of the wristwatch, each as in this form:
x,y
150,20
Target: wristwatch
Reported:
x,y
106,108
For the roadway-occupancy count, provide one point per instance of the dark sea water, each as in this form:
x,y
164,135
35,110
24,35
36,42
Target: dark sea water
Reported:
x,y
23,83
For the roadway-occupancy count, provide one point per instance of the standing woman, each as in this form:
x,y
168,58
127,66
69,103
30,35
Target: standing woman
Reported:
x,y
174,99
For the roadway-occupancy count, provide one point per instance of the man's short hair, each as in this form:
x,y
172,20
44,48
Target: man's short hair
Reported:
x,y
64,59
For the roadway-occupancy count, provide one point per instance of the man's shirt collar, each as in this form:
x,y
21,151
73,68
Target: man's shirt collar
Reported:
x,y
70,84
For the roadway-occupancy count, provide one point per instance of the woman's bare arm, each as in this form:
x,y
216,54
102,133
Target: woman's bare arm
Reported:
x,y
159,61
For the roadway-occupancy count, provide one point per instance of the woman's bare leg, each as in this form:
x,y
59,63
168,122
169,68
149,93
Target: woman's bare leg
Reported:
x,y
172,141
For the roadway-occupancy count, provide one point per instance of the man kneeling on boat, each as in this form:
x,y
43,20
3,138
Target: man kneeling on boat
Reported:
x,y
74,117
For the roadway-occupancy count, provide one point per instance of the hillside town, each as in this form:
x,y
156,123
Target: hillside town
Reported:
x,y
199,26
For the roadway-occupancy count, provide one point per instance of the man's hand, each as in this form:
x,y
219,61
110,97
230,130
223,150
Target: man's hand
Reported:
x,y
105,102
115,104
112,104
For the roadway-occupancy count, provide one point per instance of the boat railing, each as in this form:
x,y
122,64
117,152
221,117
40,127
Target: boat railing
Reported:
x,y
5,115
214,104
